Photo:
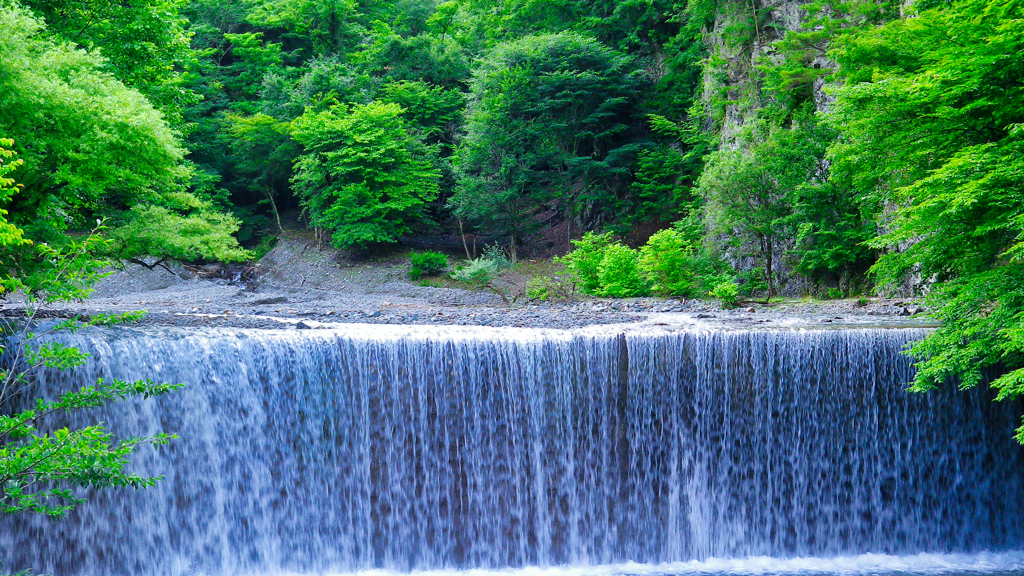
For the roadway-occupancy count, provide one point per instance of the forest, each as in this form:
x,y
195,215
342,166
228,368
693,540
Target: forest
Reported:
x,y
677,147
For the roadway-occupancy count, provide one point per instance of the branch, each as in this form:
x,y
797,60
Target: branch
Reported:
x,y
152,266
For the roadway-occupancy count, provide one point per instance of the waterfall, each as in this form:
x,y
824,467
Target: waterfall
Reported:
x,y
408,448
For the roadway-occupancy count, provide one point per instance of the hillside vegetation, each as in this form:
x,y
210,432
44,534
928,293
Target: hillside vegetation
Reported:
x,y
775,146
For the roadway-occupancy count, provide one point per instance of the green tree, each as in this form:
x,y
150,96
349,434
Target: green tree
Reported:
x,y
91,145
43,467
932,123
180,227
144,43
746,208
93,148
769,199
362,175
265,154
547,121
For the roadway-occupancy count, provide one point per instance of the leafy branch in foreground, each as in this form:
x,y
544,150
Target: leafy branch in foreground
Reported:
x,y
36,469
938,132
43,470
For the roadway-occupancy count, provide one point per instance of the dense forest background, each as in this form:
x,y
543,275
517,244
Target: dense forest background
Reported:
x,y
801,146
778,135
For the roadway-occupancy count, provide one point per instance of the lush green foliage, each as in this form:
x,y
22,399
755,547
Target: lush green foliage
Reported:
x,y
42,470
182,227
93,147
619,273
478,273
676,264
12,238
545,123
933,123
766,195
363,176
727,292
671,263
427,264
584,261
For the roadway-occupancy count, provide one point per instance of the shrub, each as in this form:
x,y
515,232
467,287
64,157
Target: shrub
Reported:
x,y
538,289
752,281
619,273
427,264
727,292
546,288
834,294
479,272
495,254
666,262
584,262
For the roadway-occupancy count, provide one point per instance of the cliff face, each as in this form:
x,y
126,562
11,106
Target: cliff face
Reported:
x,y
744,36
743,41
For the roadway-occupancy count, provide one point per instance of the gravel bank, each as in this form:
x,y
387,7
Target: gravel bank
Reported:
x,y
298,286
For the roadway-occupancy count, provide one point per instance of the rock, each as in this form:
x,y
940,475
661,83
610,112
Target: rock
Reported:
x,y
751,309
905,312
266,301
308,325
374,314
915,310
705,316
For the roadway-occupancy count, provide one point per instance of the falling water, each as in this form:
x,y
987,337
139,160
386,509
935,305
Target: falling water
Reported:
x,y
430,449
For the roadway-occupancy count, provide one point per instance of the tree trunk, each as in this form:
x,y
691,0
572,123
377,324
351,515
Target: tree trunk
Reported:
x,y
464,245
273,207
768,270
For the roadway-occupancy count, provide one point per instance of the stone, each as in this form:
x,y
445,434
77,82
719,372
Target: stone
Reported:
x,y
266,301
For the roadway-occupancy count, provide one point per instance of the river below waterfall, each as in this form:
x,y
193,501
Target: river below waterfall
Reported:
x,y
390,449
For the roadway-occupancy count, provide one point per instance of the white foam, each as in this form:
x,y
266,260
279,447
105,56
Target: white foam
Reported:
x,y
1003,564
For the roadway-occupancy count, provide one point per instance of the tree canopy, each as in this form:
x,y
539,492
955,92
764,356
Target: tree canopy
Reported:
x,y
932,119
363,176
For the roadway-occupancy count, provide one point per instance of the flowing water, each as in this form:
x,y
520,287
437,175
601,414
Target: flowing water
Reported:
x,y
378,449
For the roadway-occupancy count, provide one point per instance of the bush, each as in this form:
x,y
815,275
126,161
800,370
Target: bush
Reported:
x,y
727,292
546,288
584,262
752,282
479,272
619,273
495,254
671,264
666,261
538,289
427,264
833,294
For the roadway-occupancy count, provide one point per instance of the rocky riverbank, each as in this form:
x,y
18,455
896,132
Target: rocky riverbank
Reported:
x,y
296,286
